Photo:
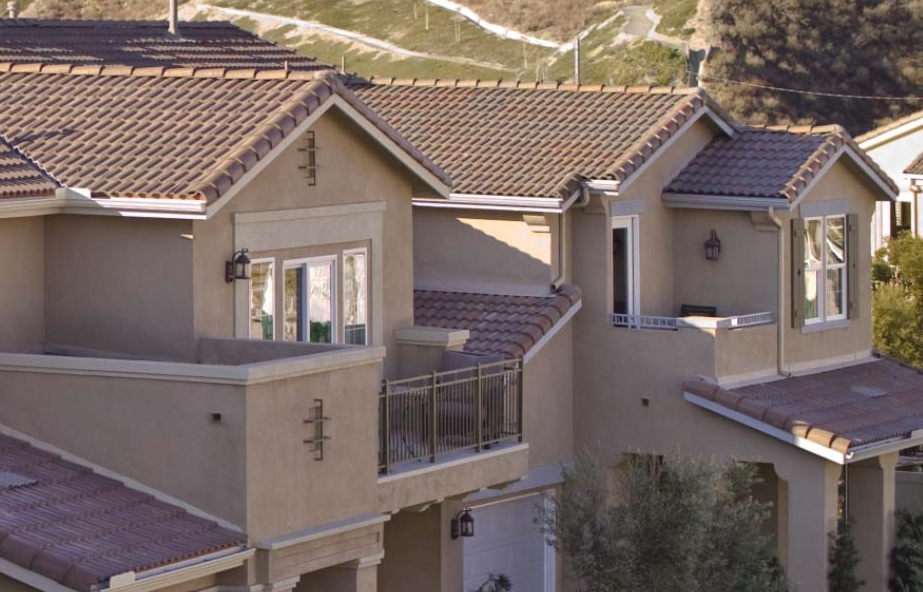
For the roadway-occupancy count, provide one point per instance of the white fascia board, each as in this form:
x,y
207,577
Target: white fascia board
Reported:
x,y
602,186
554,331
916,124
507,200
528,205
30,578
30,206
750,422
725,202
173,575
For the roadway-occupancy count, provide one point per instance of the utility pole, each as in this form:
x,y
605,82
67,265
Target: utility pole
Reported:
x,y
577,59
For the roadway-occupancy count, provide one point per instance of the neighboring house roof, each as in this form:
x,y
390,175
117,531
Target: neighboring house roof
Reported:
x,y
770,163
20,177
163,133
845,410
503,325
915,167
143,44
78,528
913,120
537,140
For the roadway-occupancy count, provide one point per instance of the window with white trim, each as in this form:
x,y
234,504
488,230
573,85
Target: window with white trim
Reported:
x,y
308,300
355,296
262,300
625,290
825,269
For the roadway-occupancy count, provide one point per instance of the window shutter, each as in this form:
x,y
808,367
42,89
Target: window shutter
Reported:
x,y
797,273
852,266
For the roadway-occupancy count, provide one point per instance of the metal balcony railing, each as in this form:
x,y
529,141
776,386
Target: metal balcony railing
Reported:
x,y
674,323
427,416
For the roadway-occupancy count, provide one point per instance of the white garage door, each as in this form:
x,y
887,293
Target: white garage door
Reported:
x,y
506,540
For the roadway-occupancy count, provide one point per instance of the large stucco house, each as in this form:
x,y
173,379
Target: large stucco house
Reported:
x,y
452,288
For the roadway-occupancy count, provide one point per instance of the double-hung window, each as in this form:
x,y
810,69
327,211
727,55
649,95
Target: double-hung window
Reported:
x,y
824,252
355,297
262,300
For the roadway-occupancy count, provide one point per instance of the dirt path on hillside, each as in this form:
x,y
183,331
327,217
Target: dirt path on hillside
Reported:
x,y
268,22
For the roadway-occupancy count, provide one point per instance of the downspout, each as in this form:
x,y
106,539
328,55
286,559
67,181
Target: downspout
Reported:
x,y
780,322
582,201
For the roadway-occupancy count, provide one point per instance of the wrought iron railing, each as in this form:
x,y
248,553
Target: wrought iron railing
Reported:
x,y
427,416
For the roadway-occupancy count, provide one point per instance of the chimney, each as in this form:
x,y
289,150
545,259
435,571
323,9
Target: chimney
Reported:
x,y
174,17
12,8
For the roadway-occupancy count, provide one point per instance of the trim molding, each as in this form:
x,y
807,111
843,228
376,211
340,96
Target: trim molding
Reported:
x,y
244,375
324,530
724,202
179,575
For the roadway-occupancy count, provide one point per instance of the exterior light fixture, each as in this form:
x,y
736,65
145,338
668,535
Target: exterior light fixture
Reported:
x,y
712,246
463,524
238,268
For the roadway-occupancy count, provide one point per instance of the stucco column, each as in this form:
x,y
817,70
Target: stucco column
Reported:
x,y
811,514
360,575
871,510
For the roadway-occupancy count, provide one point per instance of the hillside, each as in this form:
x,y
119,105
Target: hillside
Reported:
x,y
780,62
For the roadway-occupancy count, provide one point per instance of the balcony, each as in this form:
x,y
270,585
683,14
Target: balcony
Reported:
x,y
428,418
730,348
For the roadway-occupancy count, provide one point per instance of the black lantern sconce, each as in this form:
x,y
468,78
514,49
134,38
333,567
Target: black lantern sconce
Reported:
x,y
238,268
463,524
712,246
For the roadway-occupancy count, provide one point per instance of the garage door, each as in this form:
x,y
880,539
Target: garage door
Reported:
x,y
507,540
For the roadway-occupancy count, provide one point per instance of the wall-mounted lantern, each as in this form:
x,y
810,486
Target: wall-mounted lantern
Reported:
x,y
463,524
238,268
712,246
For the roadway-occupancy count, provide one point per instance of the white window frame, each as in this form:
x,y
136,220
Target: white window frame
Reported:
x,y
365,252
275,313
306,262
630,223
823,266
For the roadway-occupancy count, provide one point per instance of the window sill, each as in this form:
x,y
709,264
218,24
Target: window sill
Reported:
x,y
826,326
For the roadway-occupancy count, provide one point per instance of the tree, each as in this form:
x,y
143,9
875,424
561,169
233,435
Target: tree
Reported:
x,y
844,557
680,524
907,555
799,44
897,306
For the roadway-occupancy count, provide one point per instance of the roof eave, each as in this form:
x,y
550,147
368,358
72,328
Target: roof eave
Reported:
x,y
693,201
772,431
513,203
890,132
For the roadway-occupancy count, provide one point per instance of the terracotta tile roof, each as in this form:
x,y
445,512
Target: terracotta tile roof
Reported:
x,y
535,140
915,167
79,528
20,177
159,132
500,325
143,44
766,163
839,409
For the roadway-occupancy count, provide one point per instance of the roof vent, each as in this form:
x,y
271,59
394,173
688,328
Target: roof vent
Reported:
x,y
10,480
868,391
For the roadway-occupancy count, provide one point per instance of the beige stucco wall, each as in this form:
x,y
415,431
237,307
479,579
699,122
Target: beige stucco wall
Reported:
x,y
351,169
22,308
656,225
158,432
548,401
413,542
473,251
802,348
288,489
119,284
745,277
